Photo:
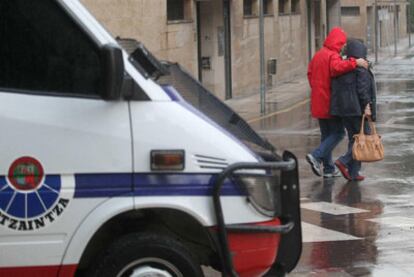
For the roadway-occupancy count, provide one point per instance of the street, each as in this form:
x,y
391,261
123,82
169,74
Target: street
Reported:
x,y
127,151
350,228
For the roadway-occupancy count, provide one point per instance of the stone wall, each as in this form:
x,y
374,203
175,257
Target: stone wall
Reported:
x,y
285,40
355,26
363,26
245,50
145,20
292,54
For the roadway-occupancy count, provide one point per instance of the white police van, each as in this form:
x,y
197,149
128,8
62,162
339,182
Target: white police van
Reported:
x,y
105,172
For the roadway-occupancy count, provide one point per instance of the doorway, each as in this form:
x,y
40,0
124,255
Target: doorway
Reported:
x,y
333,14
315,27
214,66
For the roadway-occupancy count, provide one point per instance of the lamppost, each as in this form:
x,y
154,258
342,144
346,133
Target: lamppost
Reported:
x,y
262,60
395,27
376,31
409,23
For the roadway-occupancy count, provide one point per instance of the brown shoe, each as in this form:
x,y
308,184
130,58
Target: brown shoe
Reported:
x,y
343,169
359,178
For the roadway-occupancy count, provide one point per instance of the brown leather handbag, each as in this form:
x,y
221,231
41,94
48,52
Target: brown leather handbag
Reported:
x,y
368,148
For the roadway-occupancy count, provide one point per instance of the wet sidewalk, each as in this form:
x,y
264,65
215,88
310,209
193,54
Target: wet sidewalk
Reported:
x,y
288,95
388,52
279,98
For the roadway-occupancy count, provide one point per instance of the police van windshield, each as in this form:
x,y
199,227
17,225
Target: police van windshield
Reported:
x,y
196,94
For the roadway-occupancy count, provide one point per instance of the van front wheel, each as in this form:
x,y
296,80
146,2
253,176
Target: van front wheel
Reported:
x,y
143,254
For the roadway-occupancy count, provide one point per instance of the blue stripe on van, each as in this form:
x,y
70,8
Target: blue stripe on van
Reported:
x,y
150,184
103,185
172,93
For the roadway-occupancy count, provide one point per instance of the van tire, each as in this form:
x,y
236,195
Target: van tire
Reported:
x,y
143,251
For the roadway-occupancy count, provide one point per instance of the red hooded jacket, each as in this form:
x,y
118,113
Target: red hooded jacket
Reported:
x,y
327,63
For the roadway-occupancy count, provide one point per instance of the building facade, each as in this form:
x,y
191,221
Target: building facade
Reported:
x,y
359,17
218,40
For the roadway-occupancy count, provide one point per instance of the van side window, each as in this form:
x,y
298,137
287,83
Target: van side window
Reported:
x,y
43,50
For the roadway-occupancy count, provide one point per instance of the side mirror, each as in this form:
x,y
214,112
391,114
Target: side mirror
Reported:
x,y
112,71
146,63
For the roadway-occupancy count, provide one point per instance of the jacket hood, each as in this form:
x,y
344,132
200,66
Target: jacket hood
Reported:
x,y
335,40
356,49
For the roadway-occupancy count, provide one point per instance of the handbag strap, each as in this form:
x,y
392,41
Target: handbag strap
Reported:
x,y
371,125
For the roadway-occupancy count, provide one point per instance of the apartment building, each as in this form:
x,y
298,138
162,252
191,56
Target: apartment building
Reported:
x,y
358,19
218,40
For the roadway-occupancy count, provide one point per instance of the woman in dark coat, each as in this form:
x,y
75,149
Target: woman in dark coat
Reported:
x,y
353,95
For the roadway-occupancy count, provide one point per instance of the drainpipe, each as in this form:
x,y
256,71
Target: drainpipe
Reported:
x,y
262,60
409,24
198,22
376,32
227,49
309,6
395,27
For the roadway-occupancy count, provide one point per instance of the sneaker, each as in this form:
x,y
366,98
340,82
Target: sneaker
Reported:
x,y
336,173
343,169
315,165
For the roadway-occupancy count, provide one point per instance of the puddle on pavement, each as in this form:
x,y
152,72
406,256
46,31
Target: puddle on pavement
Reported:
x,y
388,190
383,242
397,86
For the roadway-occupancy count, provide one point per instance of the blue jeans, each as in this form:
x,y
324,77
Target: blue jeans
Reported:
x,y
353,126
332,132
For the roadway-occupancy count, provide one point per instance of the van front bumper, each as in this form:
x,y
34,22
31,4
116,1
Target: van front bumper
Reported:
x,y
248,250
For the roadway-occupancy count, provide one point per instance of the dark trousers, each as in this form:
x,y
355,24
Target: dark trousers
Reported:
x,y
352,125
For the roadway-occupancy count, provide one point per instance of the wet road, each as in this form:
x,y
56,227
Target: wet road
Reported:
x,y
365,228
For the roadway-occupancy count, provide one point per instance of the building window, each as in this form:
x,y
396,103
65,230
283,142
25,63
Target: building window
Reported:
x,y
395,8
283,6
295,6
248,7
350,11
267,7
175,10
178,10
251,7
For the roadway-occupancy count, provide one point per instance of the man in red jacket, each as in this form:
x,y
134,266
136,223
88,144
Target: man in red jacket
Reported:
x,y
328,63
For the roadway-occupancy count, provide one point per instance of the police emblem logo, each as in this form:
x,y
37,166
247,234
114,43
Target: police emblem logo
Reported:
x,y
30,199
26,174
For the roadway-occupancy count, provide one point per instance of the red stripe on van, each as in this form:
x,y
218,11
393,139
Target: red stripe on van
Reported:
x,y
39,271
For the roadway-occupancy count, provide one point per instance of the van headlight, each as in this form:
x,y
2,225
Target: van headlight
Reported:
x,y
263,192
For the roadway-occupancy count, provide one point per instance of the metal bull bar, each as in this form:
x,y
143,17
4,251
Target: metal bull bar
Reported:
x,y
290,247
